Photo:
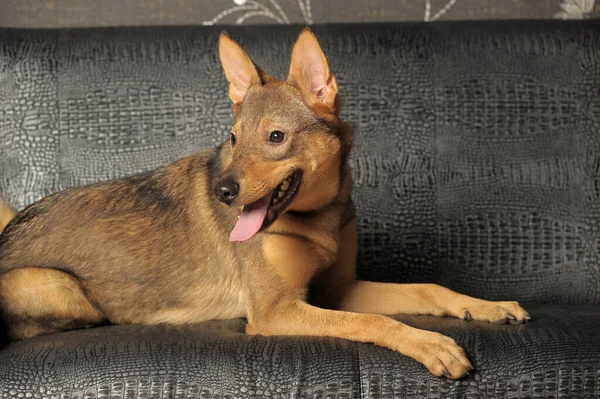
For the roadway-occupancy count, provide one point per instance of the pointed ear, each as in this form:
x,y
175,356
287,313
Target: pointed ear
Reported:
x,y
239,69
309,72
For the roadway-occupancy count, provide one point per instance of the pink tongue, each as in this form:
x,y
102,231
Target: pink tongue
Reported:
x,y
250,220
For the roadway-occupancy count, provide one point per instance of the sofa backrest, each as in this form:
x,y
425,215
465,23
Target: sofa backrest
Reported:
x,y
477,156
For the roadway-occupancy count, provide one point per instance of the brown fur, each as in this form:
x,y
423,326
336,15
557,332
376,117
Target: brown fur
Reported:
x,y
154,248
6,214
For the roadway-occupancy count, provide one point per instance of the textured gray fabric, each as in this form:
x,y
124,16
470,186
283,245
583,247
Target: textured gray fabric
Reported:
x,y
554,356
476,166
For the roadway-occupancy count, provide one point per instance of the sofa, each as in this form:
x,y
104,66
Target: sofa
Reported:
x,y
476,166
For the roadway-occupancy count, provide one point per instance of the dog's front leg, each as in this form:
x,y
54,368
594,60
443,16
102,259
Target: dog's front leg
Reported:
x,y
276,289
339,288
440,354
430,299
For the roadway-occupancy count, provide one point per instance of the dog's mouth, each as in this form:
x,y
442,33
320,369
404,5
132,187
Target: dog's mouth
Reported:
x,y
262,213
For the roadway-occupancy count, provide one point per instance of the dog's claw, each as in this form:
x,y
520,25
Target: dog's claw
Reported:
x,y
446,373
441,355
495,312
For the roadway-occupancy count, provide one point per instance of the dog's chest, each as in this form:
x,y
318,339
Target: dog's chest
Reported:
x,y
223,301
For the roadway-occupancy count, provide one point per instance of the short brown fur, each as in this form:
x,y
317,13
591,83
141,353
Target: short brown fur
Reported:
x,y
154,248
6,214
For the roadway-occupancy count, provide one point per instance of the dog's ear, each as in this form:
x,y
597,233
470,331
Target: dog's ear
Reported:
x,y
239,69
264,77
309,72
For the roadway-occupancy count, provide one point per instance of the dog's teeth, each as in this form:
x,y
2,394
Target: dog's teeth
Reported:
x,y
280,194
276,200
285,185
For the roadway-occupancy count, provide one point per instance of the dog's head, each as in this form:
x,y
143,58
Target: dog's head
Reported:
x,y
287,143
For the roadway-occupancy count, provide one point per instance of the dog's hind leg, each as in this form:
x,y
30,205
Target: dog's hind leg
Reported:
x,y
36,301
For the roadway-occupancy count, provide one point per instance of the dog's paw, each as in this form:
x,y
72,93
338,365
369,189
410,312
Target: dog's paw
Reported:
x,y
496,312
440,354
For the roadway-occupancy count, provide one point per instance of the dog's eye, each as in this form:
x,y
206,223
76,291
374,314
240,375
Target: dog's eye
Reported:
x,y
232,138
276,137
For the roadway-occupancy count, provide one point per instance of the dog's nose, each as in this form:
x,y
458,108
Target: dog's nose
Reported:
x,y
226,191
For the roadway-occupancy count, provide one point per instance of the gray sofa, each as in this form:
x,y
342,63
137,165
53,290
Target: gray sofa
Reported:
x,y
476,166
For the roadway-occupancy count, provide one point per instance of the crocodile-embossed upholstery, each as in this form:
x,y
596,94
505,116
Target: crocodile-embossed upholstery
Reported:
x,y
556,355
476,166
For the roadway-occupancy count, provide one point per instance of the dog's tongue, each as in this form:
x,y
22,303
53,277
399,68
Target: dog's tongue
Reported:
x,y
250,220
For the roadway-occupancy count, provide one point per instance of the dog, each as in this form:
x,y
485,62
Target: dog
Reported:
x,y
263,227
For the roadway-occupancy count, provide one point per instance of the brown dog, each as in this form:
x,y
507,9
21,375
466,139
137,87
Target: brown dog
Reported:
x,y
239,231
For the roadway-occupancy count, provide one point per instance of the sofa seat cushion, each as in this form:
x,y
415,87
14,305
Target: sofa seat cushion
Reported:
x,y
555,355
